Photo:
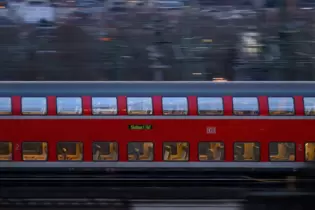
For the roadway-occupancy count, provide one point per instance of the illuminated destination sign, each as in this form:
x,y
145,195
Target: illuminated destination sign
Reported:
x,y
140,127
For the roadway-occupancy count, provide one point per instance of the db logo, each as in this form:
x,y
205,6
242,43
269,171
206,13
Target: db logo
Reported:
x,y
211,130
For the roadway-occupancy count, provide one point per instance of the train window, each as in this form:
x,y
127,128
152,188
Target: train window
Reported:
x,y
309,106
5,106
5,151
281,106
105,151
211,151
104,105
310,151
210,106
249,151
69,106
34,151
175,151
282,151
139,105
175,105
71,151
140,151
245,106
34,105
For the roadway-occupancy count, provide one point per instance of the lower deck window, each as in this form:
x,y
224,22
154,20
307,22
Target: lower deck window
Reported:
x,y
5,151
105,151
34,151
211,151
175,151
70,151
310,151
140,151
282,151
246,151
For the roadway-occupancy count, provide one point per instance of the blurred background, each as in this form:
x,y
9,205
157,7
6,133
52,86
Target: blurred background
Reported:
x,y
155,40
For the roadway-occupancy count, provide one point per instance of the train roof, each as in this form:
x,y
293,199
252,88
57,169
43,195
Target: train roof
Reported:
x,y
198,88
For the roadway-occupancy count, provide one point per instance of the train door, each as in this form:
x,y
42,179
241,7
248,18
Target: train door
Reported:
x,y
71,151
5,151
140,151
175,151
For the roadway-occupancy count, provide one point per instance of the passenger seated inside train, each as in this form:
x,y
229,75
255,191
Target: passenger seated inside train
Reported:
x,y
70,151
211,151
280,151
310,151
176,151
5,151
247,151
106,151
140,151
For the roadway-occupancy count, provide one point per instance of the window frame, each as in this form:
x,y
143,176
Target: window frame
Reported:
x,y
10,112
133,97
99,114
12,149
170,97
198,109
277,142
234,110
140,160
244,142
287,97
221,142
304,105
37,97
22,153
117,146
69,142
64,114
175,161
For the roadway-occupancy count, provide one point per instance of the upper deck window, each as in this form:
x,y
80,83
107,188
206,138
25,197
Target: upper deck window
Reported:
x,y
175,105
5,106
104,105
139,105
34,106
69,106
281,106
210,105
309,106
245,106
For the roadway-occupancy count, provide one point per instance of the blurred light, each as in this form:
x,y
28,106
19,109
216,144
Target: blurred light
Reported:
x,y
105,39
197,73
219,79
207,40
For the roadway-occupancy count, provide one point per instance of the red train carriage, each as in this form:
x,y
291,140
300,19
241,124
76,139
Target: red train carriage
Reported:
x,y
164,124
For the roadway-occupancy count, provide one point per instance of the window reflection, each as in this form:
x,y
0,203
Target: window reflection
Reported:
x,y
69,105
282,151
104,105
210,105
140,151
211,151
175,151
175,105
106,151
309,106
71,151
139,105
5,151
281,106
249,151
34,151
310,151
5,106
34,106
245,106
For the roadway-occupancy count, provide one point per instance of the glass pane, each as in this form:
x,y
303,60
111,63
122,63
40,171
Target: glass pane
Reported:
x,y
245,106
281,106
34,151
139,151
282,151
175,106
71,151
211,151
104,105
249,151
310,151
5,106
309,106
139,106
69,105
106,151
210,106
5,151
175,151
34,106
